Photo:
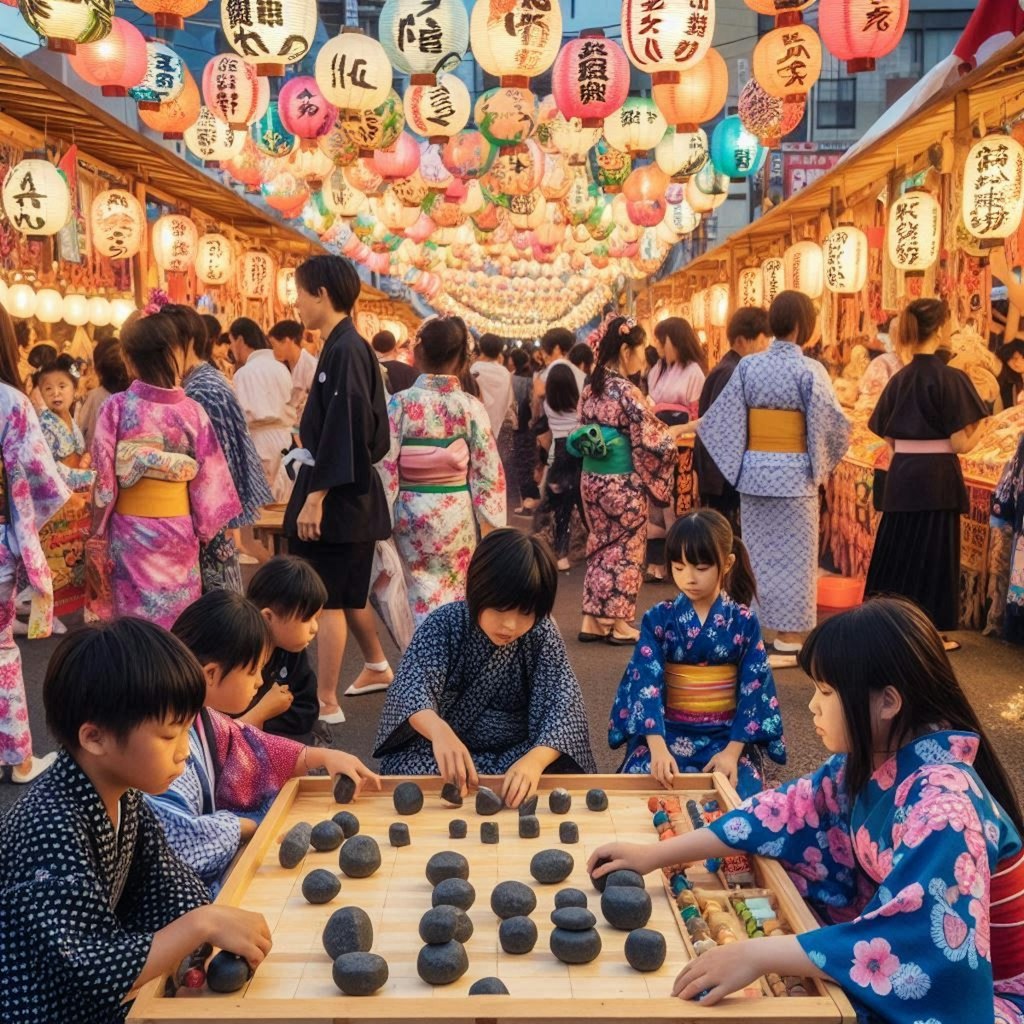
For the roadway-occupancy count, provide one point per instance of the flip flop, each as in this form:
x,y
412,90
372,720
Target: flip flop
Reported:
x,y
786,648
362,691
621,641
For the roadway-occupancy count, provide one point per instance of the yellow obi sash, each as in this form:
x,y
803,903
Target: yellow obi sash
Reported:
x,y
150,498
700,692
776,430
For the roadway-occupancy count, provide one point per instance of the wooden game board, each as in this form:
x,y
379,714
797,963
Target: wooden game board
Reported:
x,y
295,984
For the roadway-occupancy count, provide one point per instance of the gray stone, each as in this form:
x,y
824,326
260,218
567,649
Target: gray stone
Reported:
x,y
446,864
597,800
489,833
408,798
528,806
227,972
327,835
559,801
646,949
441,965
600,883
457,828
295,845
451,794
575,947
344,790
349,930
348,822
529,826
320,886
455,891
512,899
630,879
360,856
573,919
464,928
487,801
488,987
568,832
625,907
360,974
551,866
438,925
398,834
570,898
517,935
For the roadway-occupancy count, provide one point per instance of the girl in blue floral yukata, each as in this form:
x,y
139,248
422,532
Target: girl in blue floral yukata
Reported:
x,y
698,694
907,840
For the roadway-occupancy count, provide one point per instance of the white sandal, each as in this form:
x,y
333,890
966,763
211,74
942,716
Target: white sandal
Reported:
x,y
334,718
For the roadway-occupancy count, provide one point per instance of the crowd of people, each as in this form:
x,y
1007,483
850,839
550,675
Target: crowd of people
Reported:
x,y
191,697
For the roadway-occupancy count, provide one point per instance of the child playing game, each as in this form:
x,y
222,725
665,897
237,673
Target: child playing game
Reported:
x,y
485,686
913,826
234,770
93,902
698,694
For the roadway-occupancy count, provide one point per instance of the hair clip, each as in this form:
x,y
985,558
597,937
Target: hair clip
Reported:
x,y
628,323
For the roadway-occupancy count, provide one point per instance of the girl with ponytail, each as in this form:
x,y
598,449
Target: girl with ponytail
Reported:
x,y
698,694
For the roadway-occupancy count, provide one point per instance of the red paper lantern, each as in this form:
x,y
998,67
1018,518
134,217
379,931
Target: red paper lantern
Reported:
x,y
234,92
304,110
861,31
114,63
590,79
399,160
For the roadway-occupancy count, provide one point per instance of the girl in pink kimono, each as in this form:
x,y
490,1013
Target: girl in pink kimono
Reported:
x,y
162,481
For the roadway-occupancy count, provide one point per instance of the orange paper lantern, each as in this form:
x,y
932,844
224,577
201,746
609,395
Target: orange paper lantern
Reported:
x,y
698,95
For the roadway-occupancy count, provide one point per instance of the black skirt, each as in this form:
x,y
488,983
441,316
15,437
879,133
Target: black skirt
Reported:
x,y
917,555
344,568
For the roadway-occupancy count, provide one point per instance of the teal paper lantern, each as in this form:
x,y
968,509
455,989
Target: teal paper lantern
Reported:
x,y
270,135
735,151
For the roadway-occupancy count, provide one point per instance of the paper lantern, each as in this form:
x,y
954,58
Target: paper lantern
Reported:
x,y
862,31
287,291
258,275
285,193
214,259
805,269
36,198
269,33
681,218
787,61
439,110
234,92
572,140
913,231
171,14
778,8
681,154
613,167
171,118
644,191
845,253
248,166
118,224
64,23
667,37
718,305
304,110
120,310
993,193
99,311
768,118
115,63
516,40
699,310
353,72
213,140
468,154
398,160
173,240
750,287
164,80
49,306
311,165
338,146
707,189
735,151
362,176
75,310
424,38
270,135
773,272
377,128
637,127
21,301
506,116
590,79
698,95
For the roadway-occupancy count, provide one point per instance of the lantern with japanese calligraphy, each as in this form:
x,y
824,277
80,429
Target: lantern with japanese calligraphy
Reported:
x,y
99,311
64,23
680,217
233,92
735,151
377,128
399,160
681,154
862,31
165,78
845,252
341,198
506,116
439,110
636,127
993,193
213,140
750,287
773,273
214,260
423,37
516,39
572,140
171,14
766,117
787,61
115,63
304,110
172,117
173,240
258,275
269,33
805,268
118,224
913,232
36,198
663,39
353,71
590,79
21,301
698,95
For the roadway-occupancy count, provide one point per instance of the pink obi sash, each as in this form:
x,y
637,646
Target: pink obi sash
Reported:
x,y
941,447
433,465
1007,919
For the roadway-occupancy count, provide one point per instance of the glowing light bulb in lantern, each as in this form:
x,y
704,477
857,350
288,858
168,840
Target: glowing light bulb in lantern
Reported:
x,y
49,306
341,198
506,116
172,117
171,14
862,31
21,301
287,290
682,154
787,61
164,80
773,274
439,110
304,110
215,259
64,23
120,310
590,79
424,39
36,198
118,224
913,231
398,160
353,72
377,128
211,139
173,240
269,35
845,254
516,40
667,40
805,268
750,287
768,118
233,91
258,275
115,63
735,151
637,127
993,194
99,311
698,95
75,310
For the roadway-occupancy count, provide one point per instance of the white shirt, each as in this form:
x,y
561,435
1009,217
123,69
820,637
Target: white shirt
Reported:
x,y
303,375
581,377
495,383
264,390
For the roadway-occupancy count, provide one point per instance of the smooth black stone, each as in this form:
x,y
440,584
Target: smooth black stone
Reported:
x,y
327,835
441,965
600,883
360,856
488,987
295,845
227,972
398,834
550,867
630,879
489,833
454,891
438,925
360,974
529,826
646,949
349,823
570,898
451,794
349,930
597,800
487,801
513,899
573,919
408,798
559,801
575,947
517,935
344,790
446,864
320,886
457,829
528,806
568,832
625,907
464,928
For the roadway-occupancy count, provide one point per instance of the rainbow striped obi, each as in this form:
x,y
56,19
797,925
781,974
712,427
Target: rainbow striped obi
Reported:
x,y
433,465
700,693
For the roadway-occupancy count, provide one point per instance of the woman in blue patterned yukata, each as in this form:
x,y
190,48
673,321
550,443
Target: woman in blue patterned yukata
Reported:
x,y
698,694
907,841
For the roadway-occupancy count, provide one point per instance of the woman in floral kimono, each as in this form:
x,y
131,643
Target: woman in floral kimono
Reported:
x,y
161,480
1008,510
442,475
908,838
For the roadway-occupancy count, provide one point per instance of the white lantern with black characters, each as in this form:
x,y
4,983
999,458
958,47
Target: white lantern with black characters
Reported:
x,y
846,260
993,193
913,231
36,198
118,224
269,33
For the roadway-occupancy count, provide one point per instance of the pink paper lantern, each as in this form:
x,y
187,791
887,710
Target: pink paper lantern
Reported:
x,y
115,63
399,161
234,92
304,110
590,79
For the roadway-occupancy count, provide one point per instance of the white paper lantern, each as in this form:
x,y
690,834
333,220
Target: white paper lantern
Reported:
x,y
63,23
750,287
913,231
287,290
681,218
665,38
213,140
718,305
120,310
118,224
269,33
845,254
636,127
804,269
165,77
424,39
21,301
36,198
517,40
258,276
341,198
773,272
75,310
698,310
353,72
99,311
233,91
49,306
993,193
3,294
682,154
215,259
173,243
438,111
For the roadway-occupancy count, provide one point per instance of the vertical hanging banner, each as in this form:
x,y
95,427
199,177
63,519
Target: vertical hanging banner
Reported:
x,y
71,239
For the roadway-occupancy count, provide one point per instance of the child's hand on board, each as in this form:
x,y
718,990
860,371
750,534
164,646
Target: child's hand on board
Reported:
x,y
638,857
716,973
337,762
454,761
725,763
663,767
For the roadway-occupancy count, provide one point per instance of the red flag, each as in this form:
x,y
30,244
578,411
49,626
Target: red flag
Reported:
x,y
994,24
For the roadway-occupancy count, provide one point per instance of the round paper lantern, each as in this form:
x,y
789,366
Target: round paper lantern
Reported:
x,y
750,287
214,259
115,63
778,8
21,301
590,79
517,39
362,176
773,272
613,167
768,118
707,189
99,311
341,198
304,110
638,126
338,146
862,31
171,14
718,305
287,291
269,33
993,193
699,310
399,160
468,154
665,39
174,116
64,23
698,95
311,165
165,77
506,116
424,39
36,198
681,154
120,310
681,219
233,91
805,269
270,135
173,240
735,151
845,253
258,275
787,61
644,191
913,231
285,193
75,310
247,167
439,110
49,306
213,140
118,224
353,72
572,140
377,128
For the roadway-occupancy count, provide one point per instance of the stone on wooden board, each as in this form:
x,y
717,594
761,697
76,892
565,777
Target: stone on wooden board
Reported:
x,y
408,798
646,949
344,790
348,930
455,891
488,802
326,835
320,886
559,801
551,866
512,899
443,964
348,822
517,935
227,972
360,974
488,987
446,864
295,845
360,856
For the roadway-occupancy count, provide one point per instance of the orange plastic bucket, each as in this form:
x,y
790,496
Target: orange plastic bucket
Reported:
x,y
840,592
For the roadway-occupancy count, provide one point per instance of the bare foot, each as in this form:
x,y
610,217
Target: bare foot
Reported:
x,y
373,677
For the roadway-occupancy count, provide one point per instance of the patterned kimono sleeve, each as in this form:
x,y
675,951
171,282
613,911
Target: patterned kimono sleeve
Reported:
x,y
723,428
828,429
388,466
212,492
757,718
654,450
79,480
1006,496
104,453
486,475
639,705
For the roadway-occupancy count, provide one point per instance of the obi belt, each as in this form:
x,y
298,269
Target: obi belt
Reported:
x,y
604,450
1007,918
433,465
700,694
776,430
153,483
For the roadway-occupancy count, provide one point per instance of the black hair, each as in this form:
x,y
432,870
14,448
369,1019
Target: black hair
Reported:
x,y
581,355
42,354
561,392
289,586
332,274
704,537
557,337
109,365
889,641
651,357
213,331
22,332
225,629
250,332
189,326
792,311
617,336
490,345
920,321
521,361
149,343
511,569
747,322
384,342
442,343
65,364
118,675
287,330
679,333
